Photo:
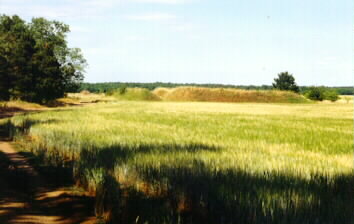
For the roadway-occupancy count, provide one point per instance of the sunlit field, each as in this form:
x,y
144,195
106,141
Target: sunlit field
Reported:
x,y
164,162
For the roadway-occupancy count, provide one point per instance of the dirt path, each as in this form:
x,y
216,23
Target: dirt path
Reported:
x,y
26,197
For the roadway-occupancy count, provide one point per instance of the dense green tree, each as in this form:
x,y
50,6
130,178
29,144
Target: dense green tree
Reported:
x,y
16,50
286,81
35,62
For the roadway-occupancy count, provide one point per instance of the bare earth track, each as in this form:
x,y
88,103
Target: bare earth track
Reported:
x,y
26,197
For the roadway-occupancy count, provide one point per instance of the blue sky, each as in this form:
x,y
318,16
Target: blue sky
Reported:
x,y
206,41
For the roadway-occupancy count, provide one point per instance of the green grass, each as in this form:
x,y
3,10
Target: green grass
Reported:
x,y
203,162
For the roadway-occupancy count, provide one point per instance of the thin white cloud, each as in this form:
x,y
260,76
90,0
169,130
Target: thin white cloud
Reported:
x,y
152,17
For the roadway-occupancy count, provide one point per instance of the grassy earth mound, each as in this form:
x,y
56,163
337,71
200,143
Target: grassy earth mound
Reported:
x,y
138,94
227,95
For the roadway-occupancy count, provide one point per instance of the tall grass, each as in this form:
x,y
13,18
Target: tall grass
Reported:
x,y
156,162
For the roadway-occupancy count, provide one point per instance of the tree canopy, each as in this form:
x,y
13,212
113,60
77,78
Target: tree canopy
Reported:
x,y
286,81
36,63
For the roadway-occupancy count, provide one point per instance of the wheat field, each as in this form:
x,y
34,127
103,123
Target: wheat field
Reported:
x,y
170,162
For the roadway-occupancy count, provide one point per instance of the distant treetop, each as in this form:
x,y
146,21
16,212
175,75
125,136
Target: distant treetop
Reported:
x,y
286,81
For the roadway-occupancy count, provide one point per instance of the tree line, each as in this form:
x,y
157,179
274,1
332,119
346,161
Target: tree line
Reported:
x,y
108,86
36,63
105,87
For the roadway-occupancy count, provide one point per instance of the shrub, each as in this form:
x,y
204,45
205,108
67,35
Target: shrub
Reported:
x,y
321,93
331,95
315,93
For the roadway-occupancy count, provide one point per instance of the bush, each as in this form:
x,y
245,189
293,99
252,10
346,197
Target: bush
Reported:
x,y
331,95
321,93
315,93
